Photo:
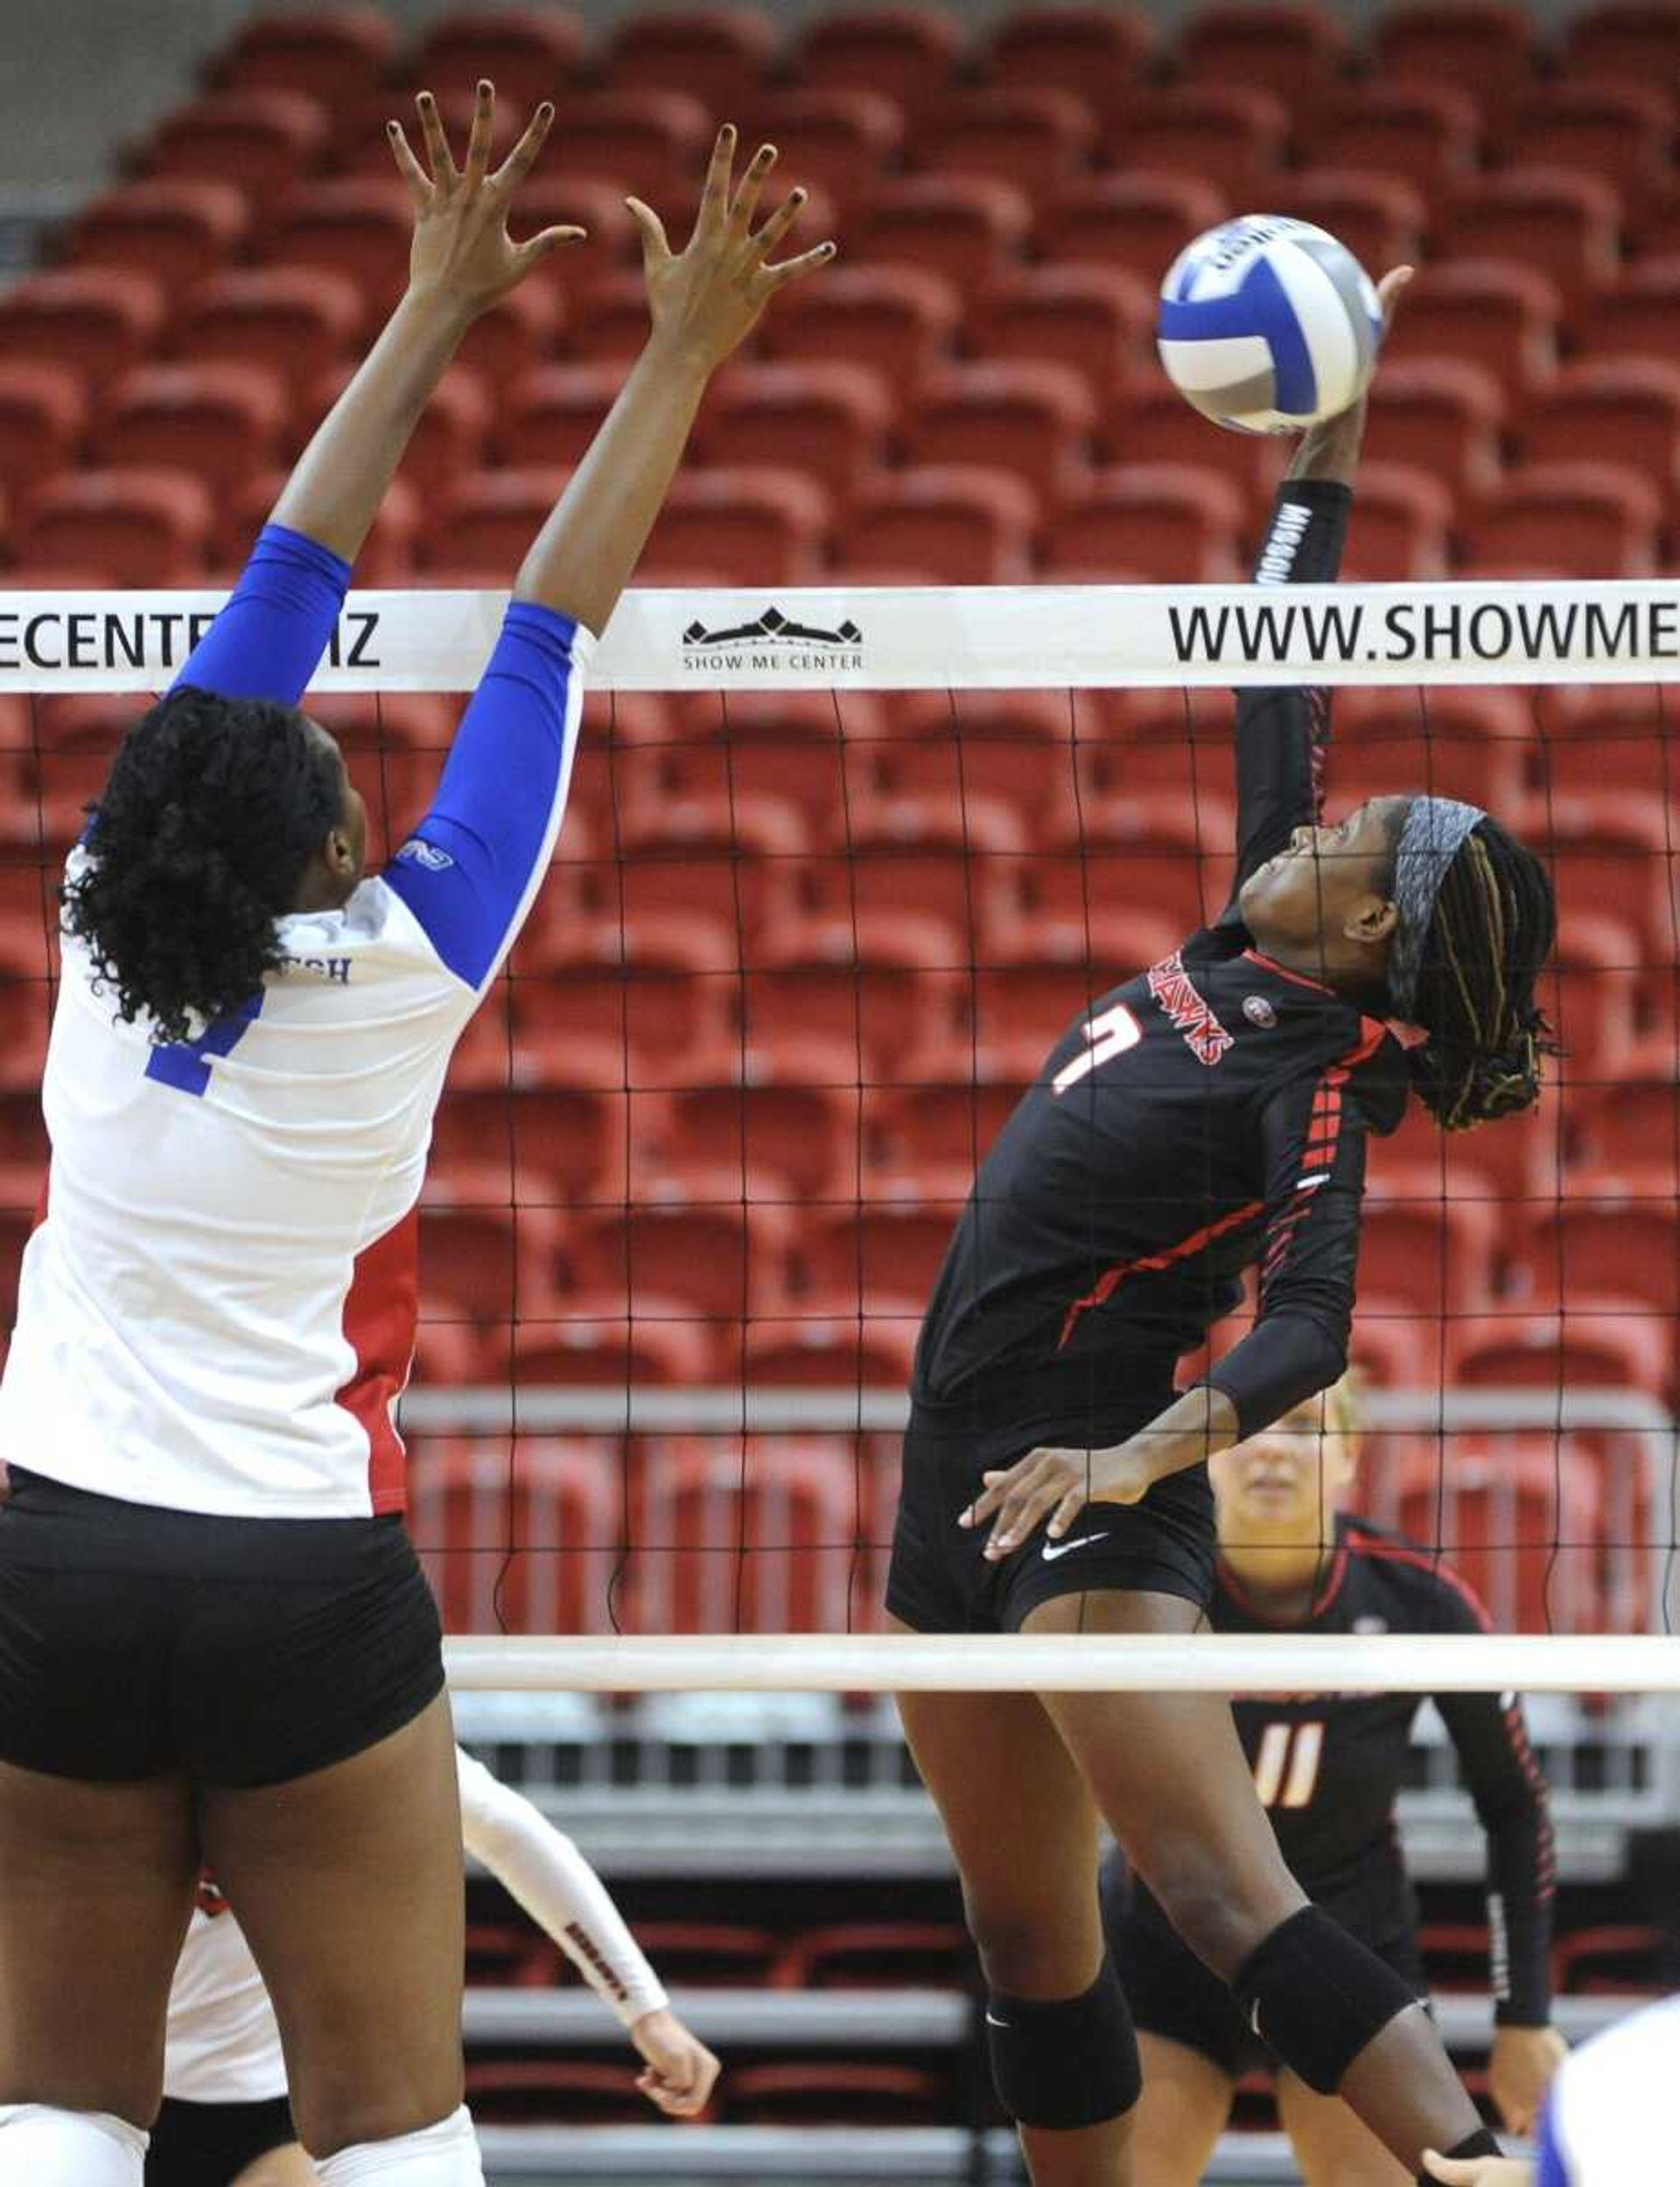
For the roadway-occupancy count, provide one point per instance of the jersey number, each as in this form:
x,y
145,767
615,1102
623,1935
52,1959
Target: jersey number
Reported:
x,y
1109,1035
1286,1766
185,1064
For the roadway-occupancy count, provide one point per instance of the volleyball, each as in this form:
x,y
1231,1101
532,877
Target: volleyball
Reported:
x,y
1267,325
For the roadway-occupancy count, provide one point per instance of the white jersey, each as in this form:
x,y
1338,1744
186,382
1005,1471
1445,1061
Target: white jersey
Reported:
x,y
217,1310
223,2043
1609,2119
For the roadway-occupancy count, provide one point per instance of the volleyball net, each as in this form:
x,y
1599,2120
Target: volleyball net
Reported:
x,y
839,867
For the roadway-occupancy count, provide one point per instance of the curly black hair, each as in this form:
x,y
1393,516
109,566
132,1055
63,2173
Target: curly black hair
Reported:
x,y
1489,934
213,809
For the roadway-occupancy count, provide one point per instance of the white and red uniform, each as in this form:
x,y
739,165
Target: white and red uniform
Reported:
x,y
223,2043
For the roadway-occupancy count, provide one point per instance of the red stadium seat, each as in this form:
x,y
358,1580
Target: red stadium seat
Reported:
x,y
42,411
1164,522
270,140
448,441
519,1537
1616,410
844,1349
803,747
551,414
1609,738
96,320
1638,316
387,557
1227,135
1402,526
1289,48
1033,420
1491,43
607,1339
1135,853
1442,415
1566,520
177,231
1619,1959
661,987
328,53
897,320
970,228
789,1113
1598,990
753,526
809,2094
889,1248
1604,1344
562,1143
1379,217
1036,976
219,421
907,53
520,332
528,54
360,226
607,323
1139,222
489,518
1150,423
841,142
142,527
742,1535
941,1106
651,144
957,863
1466,743
1628,1124
1035,138
712,1954
1099,53
1503,316
570,2092
827,420
1621,133
294,320
961,525
885,981
735,861
717,55
1016,745
1519,1519
508,1955
1550,220
1426,135
1425,1243
1092,319
878,1955
1623,41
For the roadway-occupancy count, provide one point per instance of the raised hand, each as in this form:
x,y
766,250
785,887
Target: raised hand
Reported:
x,y
706,300
462,250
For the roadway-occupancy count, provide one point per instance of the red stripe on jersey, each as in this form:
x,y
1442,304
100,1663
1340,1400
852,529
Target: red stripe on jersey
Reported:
x,y
1323,1135
1398,1552
381,1309
1270,964
1106,1285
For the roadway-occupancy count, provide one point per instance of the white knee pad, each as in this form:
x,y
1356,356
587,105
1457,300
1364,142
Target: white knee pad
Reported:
x,y
43,2148
444,2156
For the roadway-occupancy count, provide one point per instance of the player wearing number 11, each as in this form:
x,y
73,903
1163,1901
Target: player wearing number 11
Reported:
x,y
215,1640
1205,1116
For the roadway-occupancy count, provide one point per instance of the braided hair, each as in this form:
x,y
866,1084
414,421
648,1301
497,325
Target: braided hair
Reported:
x,y
1487,937
212,809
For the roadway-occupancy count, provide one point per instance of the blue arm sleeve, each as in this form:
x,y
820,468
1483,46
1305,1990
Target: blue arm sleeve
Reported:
x,y
1550,2169
471,868
268,641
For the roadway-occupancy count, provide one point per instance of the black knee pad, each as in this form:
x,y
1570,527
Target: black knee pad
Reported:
x,y
1071,2063
1317,1998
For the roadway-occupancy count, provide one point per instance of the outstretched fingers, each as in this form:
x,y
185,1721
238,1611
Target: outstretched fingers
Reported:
x,y
518,162
444,170
419,182
752,182
477,144
714,199
791,268
655,247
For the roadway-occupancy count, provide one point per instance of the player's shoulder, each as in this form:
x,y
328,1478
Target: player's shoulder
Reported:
x,y
1411,1586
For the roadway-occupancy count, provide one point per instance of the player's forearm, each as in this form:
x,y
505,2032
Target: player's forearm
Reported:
x,y
1331,450
1195,1426
340,481
583,557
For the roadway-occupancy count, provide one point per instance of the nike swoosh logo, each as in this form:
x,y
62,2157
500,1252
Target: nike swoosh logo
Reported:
x,y
992,2021
1254,2020
1055,1549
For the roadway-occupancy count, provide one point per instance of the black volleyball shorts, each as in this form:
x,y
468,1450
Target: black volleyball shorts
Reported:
x,y
940,1581
135,1640
209,2145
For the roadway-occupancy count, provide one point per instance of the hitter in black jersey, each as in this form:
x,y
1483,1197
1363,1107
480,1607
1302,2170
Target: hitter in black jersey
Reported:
x,y
1327,1769
1206,1116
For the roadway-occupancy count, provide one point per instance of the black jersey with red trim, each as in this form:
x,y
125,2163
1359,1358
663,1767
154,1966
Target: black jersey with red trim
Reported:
x,y
1329,1767
1209,1114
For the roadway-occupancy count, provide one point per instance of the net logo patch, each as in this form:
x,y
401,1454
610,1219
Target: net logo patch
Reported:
x,y
414,853
774,640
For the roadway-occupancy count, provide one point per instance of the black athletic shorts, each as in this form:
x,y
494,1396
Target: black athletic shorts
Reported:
x,y
1172,1994
939,1580
209,2145
134,1640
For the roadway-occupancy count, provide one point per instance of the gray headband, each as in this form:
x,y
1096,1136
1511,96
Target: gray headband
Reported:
x,y
1435,827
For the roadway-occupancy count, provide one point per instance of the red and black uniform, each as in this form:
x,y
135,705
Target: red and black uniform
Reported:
x,y
1206,1116
1329,1767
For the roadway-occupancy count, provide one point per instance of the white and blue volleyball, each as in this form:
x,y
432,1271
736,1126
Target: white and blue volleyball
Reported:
x,y
1267,325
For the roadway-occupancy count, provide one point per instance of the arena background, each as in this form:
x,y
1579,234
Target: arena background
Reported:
x,y
702,1401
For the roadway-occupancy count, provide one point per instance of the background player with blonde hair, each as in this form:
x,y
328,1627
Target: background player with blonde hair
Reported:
x,y
1328,1769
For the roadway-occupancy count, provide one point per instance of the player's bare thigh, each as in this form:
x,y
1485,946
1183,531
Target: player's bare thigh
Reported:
x,y
284,2167
1331,2147
349,1885
1180,2115
81,1863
